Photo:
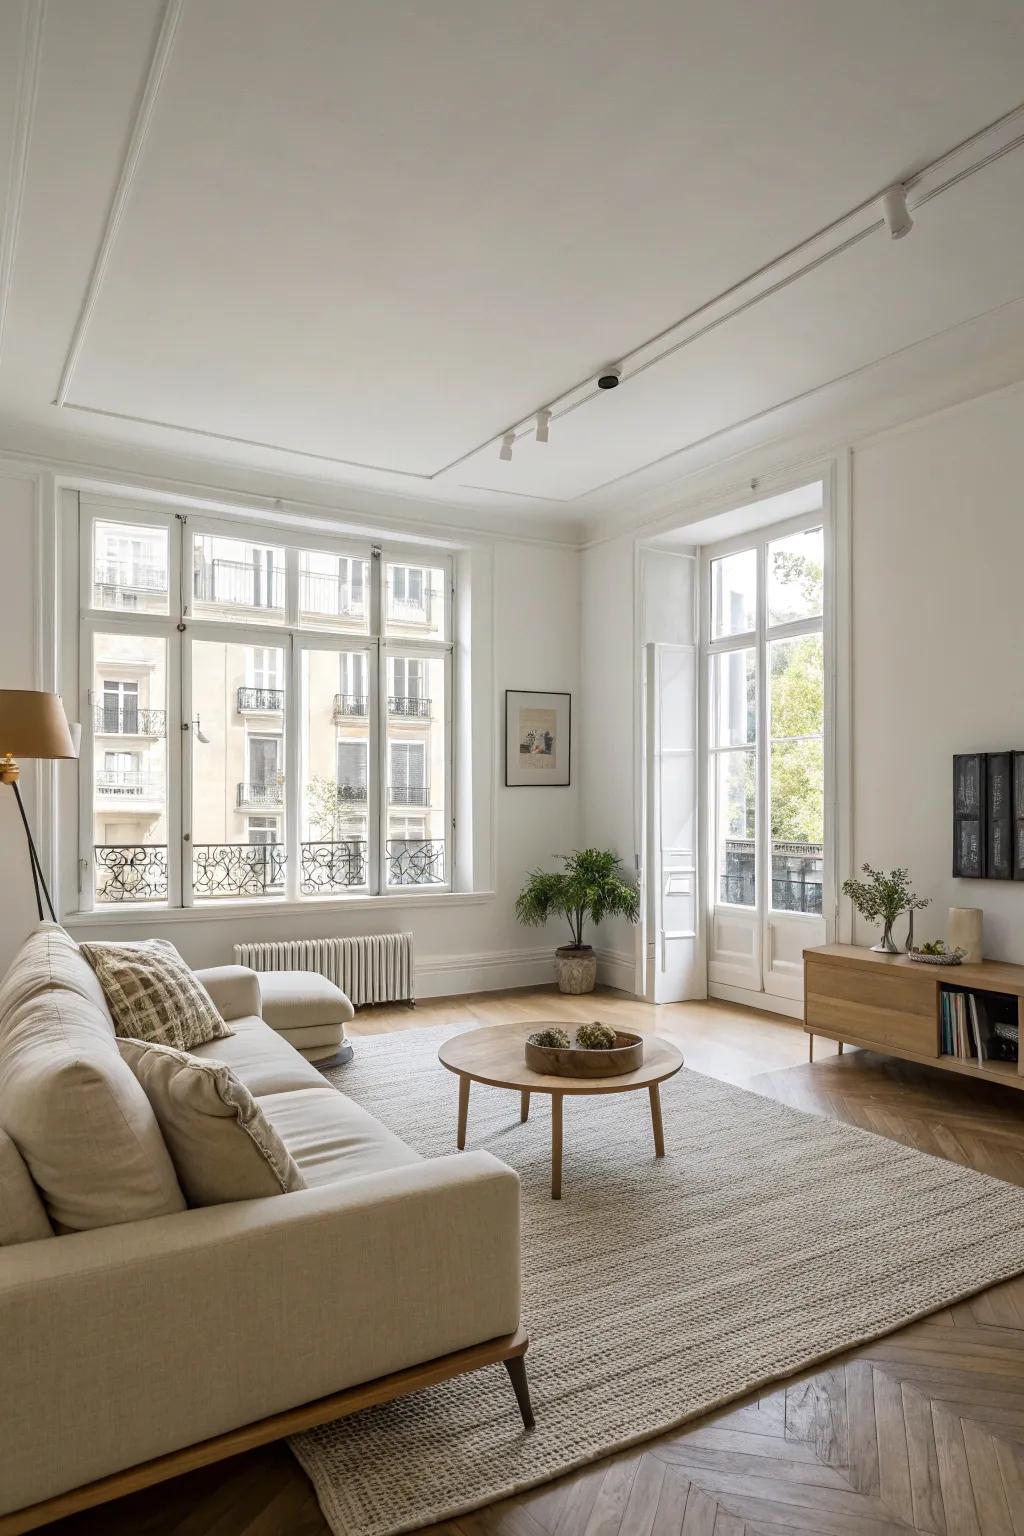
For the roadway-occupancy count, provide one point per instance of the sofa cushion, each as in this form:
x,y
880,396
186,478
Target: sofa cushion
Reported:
x,y
50,958
153,995
80,1120
302,1000
23,1216
261,1059
220,1142
331,1138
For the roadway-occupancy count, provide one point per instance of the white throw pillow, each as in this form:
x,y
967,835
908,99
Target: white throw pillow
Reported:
x,y
222,1146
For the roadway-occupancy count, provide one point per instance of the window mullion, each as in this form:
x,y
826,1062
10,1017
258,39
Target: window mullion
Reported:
x,y
293,712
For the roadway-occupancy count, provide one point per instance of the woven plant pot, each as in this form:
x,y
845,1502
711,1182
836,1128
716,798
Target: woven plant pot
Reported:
x,y
576,969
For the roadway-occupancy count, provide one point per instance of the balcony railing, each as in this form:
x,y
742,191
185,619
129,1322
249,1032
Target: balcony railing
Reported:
x,y
409,794
332,866
271,794
129,720
348,704
328,597
418,708
265,700
352,794
237,869
239,584
130,872
133,587
415,860
410,610
129,786
797,872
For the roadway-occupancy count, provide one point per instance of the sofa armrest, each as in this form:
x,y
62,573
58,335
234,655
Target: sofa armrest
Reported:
x,y
235,991
140,1339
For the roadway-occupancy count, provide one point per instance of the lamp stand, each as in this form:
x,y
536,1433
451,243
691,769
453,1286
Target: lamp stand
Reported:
x,y
38,879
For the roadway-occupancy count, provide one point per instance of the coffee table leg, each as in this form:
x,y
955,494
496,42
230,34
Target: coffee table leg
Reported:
x,y
524,1104
659,1129
463,1111
556,1146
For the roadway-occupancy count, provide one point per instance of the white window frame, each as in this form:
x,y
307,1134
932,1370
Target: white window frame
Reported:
x,y
179,628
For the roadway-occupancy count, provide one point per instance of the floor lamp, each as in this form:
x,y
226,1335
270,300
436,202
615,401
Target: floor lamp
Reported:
x,y
32,724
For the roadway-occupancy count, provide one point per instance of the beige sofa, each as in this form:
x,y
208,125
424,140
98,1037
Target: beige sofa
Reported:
x,y
132,1341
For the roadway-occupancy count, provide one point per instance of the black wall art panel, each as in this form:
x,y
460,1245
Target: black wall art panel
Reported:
x,y
988,815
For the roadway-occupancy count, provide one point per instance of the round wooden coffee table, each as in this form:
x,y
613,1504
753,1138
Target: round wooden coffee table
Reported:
x,y
495,1055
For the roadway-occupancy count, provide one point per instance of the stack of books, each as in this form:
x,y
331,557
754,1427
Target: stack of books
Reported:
x,y
972,1030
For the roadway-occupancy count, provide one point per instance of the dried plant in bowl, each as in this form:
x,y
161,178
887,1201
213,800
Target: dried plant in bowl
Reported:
x,y
595,1037
551,1039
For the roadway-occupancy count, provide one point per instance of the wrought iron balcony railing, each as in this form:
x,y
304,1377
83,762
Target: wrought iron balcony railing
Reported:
x,y
419,708
129,720
237,869
333,866
326,597
415,860
130,872
131,578
352,793
265,700
347,705
239,584
796,880
129,786
409,794
260,794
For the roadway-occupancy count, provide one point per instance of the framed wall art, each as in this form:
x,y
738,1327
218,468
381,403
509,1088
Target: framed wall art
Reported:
x,y
538,731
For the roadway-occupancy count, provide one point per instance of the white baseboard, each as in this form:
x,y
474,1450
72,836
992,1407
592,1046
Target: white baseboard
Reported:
x,y
449,975
790,1007
616,968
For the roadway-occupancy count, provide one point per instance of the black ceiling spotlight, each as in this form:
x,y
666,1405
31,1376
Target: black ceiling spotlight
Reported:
x,y
610,379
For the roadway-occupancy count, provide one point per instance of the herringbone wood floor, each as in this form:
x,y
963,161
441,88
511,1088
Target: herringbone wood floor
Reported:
x,y
923,1431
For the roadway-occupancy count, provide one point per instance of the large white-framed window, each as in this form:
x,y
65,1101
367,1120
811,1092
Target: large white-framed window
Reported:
x,y
262,724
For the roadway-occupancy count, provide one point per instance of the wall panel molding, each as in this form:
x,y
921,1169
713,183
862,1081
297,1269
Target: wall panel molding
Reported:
x,y
24,111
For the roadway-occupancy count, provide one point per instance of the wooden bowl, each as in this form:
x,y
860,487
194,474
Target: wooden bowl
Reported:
x,y
626,1055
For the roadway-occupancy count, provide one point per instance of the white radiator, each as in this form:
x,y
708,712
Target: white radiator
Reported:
x,y
375,969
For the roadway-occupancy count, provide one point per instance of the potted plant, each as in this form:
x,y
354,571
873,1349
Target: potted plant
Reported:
x,y
591,884
881,898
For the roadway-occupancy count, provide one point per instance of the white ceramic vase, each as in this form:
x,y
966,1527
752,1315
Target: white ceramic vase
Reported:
x,y
576,969
964,931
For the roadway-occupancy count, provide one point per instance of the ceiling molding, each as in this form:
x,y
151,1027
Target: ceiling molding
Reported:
x,y
140,128
26,90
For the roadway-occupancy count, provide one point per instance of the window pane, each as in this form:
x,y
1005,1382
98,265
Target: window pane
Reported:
x,y
129,725
796,687
236,579
798,825
414,601
796,577
335,731
129,569
334,591
734,699
415,841
238,789
736,827
733,594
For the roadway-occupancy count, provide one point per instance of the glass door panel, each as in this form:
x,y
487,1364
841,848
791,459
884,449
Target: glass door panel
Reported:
x,y
334,749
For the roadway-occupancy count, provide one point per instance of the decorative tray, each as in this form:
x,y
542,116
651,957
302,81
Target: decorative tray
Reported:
x,y
626,1055
949,957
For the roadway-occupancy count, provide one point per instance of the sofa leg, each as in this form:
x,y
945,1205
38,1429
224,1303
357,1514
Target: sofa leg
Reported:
x,y
516,1368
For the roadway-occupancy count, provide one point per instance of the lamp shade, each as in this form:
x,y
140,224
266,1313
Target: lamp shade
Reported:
x,y
33,724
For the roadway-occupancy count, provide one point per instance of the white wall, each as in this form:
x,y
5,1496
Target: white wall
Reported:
x,y
938,645
17,670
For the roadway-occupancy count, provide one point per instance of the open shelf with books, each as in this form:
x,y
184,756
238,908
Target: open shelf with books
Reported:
x,y
979,1027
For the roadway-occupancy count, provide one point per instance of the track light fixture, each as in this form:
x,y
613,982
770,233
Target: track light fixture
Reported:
x,y
543,425
610,378
507,444
895,211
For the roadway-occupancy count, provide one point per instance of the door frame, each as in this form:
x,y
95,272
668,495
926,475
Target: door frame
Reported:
x,y
834,517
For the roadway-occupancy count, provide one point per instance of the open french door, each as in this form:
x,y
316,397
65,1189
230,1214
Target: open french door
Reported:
x,y
673,959
764,707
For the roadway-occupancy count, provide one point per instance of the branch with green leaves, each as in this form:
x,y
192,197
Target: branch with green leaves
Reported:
x,y
882,897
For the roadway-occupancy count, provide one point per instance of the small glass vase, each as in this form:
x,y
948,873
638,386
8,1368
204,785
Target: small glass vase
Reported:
x,y
887,944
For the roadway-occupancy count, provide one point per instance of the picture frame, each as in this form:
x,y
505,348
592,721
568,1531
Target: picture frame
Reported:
x,y
538,739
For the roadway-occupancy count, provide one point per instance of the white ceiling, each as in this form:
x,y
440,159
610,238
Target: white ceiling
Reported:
x,y
357,243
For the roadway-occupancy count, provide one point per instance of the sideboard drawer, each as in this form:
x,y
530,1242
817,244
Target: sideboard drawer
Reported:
x,y
890,1009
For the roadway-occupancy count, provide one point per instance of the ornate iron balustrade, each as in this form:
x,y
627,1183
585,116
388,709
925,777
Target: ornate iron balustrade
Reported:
x,y
797,873
130,872
260,794
129,720
417,708
415,861
269,700
352,794
237,869
131,786
348,704
327,867
409,794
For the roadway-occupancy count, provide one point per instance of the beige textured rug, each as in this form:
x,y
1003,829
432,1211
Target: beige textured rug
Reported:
x,y
766,1241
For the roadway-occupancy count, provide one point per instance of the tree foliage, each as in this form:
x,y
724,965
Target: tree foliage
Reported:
x,y
592,884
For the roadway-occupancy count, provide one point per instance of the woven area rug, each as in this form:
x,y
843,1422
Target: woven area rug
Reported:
x,y
654,1291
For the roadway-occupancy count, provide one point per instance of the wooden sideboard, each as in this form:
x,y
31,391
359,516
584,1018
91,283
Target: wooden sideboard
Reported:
x,y
891,1004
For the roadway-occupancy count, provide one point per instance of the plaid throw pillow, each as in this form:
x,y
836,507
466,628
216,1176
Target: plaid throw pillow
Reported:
x,y
152,994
